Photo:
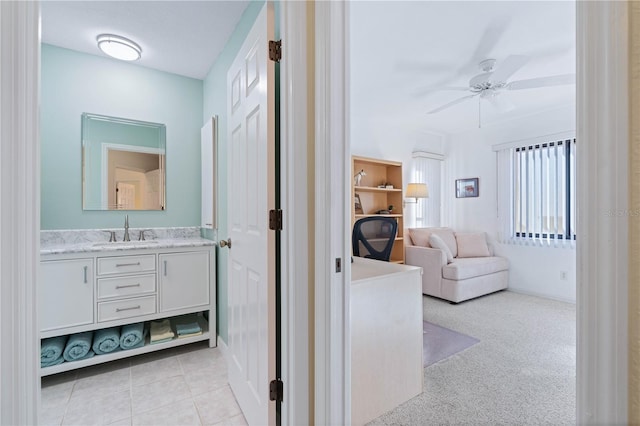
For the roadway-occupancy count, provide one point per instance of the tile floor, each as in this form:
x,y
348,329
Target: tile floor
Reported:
x,y
186,385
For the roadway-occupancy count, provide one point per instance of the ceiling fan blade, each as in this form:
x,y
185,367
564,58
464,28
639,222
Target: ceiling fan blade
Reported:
x,y
427,90
452,103
552,80
488,41
508,67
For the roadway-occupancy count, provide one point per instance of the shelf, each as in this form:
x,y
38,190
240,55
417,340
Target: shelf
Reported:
x,y
375,161
376,240
372,199
112,356
374,189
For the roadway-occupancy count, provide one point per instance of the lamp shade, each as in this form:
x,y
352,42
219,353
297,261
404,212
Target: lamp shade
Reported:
x,y
417,190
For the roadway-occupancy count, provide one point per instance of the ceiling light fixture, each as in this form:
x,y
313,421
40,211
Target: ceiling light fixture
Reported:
x,y
119,47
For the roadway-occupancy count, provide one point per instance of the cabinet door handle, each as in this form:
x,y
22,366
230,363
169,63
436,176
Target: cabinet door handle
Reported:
x,y
127,286
119,265
165,268
84,271
127,309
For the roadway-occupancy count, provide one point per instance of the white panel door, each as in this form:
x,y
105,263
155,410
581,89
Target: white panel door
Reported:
x,y
250,176
152,200
125,196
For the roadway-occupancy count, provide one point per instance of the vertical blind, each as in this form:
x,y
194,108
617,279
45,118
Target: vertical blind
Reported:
x,y
427,211
536,193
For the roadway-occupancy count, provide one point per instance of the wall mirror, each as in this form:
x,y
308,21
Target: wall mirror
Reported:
x,y
123,164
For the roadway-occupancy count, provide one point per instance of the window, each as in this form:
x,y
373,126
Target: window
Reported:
x,y
538,198
425,168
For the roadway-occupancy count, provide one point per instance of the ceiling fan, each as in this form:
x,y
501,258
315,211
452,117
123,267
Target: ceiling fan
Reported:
x,y
493,81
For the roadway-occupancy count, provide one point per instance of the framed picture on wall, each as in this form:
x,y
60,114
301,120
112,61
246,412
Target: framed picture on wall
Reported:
x,y
466,188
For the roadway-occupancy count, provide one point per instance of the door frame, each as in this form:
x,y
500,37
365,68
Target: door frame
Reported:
x,y
297,231
602,90
602,369
20,207
602,127
332,218
104,166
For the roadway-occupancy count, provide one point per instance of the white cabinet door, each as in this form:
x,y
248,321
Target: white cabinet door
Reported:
x,y
208,159
184,280
65,293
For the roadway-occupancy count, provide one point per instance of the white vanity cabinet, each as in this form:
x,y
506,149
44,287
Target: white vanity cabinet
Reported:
x,y
87,291
65,293
183,280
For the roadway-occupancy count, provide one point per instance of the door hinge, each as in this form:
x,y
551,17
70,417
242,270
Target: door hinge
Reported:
x,y
275,220
275,50
276,390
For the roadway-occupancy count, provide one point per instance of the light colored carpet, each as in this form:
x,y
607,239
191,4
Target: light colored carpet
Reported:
x,y
439,343
522,372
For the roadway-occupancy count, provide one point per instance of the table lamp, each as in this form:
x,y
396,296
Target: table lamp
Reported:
x,y
417,190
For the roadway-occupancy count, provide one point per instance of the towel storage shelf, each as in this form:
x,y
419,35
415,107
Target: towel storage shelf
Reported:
x,y
207,334
90,291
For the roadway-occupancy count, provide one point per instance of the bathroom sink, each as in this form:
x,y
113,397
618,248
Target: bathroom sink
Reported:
x,y
144,243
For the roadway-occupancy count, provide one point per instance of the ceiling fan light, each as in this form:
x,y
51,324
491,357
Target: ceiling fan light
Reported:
x,y
501,104
119,47
489,93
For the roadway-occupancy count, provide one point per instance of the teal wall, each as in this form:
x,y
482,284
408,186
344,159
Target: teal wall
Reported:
x,y
215,103
73,83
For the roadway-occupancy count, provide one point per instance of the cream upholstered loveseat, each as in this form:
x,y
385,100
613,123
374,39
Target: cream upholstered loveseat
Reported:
x,y
456,266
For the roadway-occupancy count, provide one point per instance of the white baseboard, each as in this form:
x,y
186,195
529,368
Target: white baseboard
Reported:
x,y
224,349
533,293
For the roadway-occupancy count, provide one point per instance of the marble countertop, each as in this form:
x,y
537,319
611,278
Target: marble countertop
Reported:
x,y
95,241
94,247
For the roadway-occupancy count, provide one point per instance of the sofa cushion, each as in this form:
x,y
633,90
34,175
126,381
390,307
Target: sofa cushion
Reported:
x,y
463,268
438,243
472,244
420,237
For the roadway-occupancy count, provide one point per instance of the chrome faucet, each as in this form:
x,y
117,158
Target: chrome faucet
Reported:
x,y
112,235
126,228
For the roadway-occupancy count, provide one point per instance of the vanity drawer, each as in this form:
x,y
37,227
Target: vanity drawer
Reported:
x,y
126,286
119,309
126,264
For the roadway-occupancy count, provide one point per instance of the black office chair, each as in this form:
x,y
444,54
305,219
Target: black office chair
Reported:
x,y
373,237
